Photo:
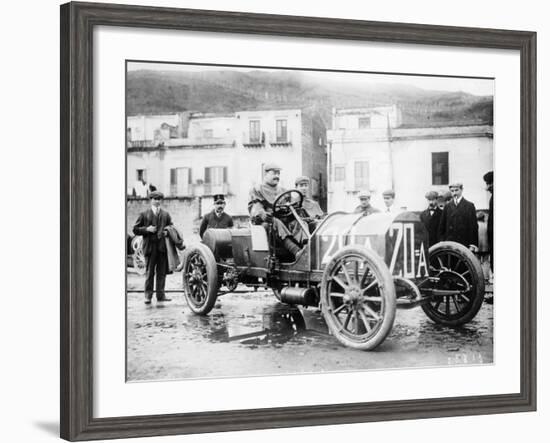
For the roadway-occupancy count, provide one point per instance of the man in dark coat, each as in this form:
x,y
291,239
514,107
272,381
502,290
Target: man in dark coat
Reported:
x,y
150,224
260,207
459,221
488,178
431,218
217,218
309,205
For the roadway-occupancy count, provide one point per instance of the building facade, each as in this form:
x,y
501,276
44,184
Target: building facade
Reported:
x,y
369,150
192,155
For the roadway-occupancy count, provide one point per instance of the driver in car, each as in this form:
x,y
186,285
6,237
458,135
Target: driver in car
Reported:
x,y
260,207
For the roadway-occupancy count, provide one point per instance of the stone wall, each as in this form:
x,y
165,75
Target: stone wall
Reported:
x,y
186,214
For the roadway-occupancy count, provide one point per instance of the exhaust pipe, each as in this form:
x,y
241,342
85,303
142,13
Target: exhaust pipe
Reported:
x,y
299,296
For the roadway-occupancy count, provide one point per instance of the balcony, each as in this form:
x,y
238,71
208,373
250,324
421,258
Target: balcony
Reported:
x,y
208,189
254,143
280,144
201,143
143,145
186,190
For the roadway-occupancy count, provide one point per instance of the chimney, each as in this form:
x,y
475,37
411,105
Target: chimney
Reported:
x,y
183,124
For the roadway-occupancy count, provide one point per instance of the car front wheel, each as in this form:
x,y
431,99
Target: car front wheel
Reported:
x,y
358,298
200,279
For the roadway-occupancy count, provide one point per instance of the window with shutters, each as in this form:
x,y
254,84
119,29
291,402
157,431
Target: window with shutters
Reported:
x,y
215,180
339,173
281,131
254,130
180,182
440,168
361,175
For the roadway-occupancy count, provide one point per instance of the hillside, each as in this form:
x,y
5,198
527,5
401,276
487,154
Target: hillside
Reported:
x,y
151,92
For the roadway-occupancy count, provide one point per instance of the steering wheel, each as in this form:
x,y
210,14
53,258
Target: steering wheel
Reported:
x,y
282,204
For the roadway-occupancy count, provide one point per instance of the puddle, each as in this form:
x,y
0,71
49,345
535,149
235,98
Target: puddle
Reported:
x,y
273,325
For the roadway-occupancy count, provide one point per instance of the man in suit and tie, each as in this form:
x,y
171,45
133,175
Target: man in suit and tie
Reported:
x,y
217,218
150,224
458,220
389,202
431,217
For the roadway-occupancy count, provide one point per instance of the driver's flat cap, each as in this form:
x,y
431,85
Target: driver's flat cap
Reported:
x,y
364,193
456,185
271,167
301,179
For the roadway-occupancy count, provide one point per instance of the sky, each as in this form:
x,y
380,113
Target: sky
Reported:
x,y
473,86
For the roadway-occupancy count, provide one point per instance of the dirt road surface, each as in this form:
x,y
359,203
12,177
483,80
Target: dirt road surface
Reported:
x,y
251,333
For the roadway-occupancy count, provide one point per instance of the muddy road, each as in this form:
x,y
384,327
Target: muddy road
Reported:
x,y
251,333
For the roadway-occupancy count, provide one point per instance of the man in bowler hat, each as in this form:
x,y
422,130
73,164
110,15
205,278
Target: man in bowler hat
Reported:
x,y
217,218
431,217
150,224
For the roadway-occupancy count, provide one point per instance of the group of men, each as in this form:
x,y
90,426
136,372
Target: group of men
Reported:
x,y
448,217
152,224
366,208
453,218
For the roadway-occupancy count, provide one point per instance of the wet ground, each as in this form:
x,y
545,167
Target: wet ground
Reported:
x,y
251,333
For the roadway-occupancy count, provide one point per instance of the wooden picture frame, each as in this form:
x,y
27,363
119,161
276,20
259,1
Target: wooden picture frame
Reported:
x,y
77,23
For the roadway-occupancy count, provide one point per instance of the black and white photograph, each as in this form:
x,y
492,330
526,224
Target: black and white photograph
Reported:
x,y
286,221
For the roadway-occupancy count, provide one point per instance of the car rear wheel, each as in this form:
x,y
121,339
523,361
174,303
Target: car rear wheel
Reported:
x,y
460,273
358,298
200,279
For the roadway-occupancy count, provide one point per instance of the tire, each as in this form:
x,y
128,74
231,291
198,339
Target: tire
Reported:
x,y
358,302
200,278
458,268
138,259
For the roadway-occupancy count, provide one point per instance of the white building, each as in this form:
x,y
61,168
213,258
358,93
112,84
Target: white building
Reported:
x,y
225,153
368,150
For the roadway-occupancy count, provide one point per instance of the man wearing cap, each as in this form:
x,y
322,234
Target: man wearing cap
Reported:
x,y
260,207
364,204
150,224
458,220
488,178
217,218
312,208
443,199
431,217
389,201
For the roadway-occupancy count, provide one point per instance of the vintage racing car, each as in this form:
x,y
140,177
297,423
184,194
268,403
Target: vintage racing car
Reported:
x,y
358,269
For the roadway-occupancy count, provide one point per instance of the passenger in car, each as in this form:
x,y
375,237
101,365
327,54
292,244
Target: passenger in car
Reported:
x,y
364,204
